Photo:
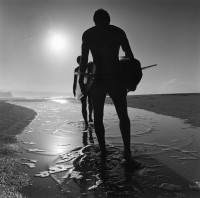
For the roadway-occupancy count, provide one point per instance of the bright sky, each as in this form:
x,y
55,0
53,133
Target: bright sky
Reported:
x,y
40,41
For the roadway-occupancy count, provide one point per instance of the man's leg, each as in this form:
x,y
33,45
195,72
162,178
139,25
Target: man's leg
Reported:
x,y
90,108
118,95
98,94
84,110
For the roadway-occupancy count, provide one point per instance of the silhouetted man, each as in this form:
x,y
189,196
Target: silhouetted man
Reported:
x,y
84,99
104,42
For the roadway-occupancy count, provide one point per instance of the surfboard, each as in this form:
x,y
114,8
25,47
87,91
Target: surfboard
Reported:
x,y
132,72
78,91
89,78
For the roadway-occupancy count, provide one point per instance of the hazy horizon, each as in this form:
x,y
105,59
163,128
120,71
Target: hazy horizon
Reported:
x,y
40,41
46,94
33,94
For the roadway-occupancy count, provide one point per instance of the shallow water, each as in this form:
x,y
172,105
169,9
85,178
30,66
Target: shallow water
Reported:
x,y
159,141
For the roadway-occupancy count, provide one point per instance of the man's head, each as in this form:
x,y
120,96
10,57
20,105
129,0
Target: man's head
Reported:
x,y
101,17
78,59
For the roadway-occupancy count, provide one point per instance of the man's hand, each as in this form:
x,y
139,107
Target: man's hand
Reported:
x,y
132,89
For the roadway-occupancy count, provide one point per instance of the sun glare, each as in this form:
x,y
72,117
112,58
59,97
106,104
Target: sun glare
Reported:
x,y
57,43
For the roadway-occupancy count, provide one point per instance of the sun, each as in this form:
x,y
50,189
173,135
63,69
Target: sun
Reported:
x,y
57,42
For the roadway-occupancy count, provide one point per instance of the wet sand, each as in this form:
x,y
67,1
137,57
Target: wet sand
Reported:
x,y
184,106
55,146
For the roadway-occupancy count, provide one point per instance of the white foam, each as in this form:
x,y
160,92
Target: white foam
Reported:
x,y
30,143
170,187
53,170
30,165
36,150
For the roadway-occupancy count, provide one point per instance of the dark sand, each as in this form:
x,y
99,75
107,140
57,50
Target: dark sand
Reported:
x,y
184,106
13,119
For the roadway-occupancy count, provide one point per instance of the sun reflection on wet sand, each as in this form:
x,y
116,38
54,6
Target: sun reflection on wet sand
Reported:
x,y
61,101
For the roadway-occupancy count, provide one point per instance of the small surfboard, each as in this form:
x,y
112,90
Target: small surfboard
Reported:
x,y
78,91
89,78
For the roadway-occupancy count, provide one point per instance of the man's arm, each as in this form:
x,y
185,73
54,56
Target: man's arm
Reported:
x,y
127,49
126,46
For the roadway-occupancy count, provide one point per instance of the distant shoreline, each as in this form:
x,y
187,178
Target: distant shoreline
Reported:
x,y
180,105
